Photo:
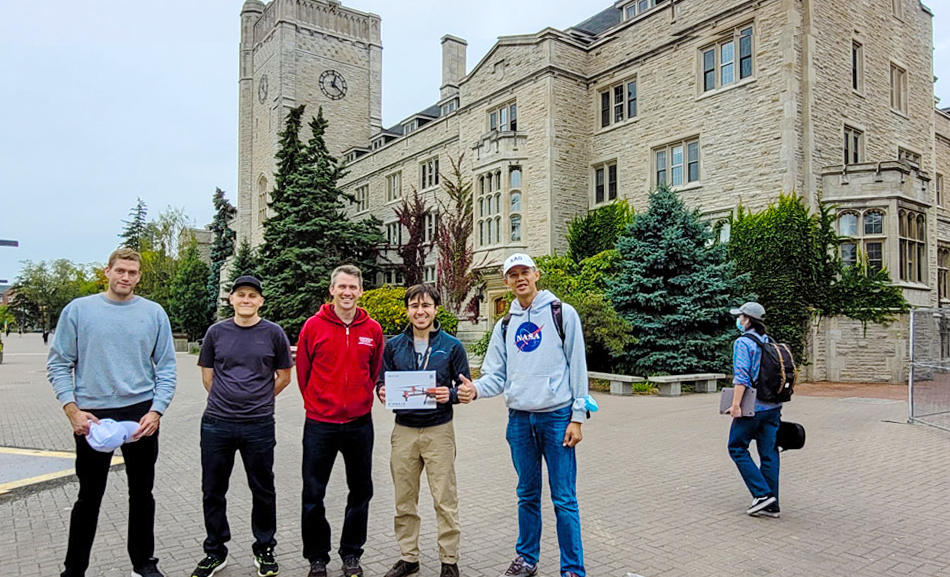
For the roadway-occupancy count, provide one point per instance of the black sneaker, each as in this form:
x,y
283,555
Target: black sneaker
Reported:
x,y
318,569
351,567
148,569
449,570
759,503
772,511
266,564
208,566
520,568
403,568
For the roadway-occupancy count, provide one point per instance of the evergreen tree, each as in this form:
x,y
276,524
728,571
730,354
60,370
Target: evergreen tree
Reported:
x,y
289,152
222,246
675,287
309,233
597,230
188,300
412,214
135,233
244,263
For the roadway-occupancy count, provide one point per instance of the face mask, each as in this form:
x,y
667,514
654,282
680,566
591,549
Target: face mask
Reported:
x,y
739,325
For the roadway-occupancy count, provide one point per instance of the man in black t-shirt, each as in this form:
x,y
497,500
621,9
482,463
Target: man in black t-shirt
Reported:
x,y
245,363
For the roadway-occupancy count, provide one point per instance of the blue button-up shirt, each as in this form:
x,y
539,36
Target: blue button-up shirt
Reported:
x,y
746,360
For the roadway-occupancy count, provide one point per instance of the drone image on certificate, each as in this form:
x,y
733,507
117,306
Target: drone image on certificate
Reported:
x,y
410,390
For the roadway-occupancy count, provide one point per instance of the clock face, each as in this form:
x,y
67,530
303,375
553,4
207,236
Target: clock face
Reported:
x,y
262,89
332,84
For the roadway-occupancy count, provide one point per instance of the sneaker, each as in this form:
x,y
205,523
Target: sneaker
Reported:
x,y
208,566
266,564
520,568
403,568
318,569
771,511
148,569
759,503
449,570
351,567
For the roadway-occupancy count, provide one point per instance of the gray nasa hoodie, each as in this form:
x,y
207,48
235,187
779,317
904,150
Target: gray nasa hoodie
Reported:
x,y
535,370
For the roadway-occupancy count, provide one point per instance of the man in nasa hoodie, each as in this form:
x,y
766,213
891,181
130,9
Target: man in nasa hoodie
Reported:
x,y
543,373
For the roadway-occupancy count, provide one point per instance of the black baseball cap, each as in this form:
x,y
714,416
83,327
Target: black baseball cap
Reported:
x,y
247,281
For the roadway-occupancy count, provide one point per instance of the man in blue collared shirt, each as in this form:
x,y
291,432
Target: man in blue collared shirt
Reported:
x,y
762,479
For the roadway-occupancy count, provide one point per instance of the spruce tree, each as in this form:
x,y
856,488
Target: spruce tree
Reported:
x,y
222,245
188,301
136,228
309,233
675,287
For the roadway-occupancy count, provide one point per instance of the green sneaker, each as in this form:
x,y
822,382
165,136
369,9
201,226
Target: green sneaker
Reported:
x,y
208,566
266,563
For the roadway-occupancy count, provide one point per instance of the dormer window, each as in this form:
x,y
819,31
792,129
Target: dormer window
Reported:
x,y
410,126
637,8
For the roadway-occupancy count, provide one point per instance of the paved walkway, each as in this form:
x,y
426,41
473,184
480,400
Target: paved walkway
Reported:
x,y
658,493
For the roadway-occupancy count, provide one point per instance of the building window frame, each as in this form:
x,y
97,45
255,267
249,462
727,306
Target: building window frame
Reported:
x,y
728,61
678,164
362,198
429,173
393,233
638,7
394,186
912,231
867,235
503,118
943,272
605,182
618,102
898,79
515,203
853,145
488,209
857,67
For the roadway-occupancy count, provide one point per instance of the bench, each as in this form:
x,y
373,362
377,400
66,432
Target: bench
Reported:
x,y
619,384
671,385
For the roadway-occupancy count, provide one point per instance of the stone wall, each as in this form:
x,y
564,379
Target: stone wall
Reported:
x,y
843,351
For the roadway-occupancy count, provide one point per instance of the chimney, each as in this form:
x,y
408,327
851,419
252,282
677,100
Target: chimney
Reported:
x,y
453,65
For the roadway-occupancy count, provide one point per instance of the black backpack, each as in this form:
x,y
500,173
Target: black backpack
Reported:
x,y
555,312
777,372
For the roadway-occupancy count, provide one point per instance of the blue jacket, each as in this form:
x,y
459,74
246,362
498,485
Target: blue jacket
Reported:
x,y
447,358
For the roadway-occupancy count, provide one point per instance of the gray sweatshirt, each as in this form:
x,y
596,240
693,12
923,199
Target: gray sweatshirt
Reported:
x,y
109,354
532,367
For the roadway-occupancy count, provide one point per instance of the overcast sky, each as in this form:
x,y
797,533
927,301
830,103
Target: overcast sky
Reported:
x,y
105,101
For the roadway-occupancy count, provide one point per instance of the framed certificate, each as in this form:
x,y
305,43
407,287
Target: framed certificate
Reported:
x,y
410,389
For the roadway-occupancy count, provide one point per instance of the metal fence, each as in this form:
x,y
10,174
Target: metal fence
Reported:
x,y
928,380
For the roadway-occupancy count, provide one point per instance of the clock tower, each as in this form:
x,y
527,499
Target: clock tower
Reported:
x,y
313,52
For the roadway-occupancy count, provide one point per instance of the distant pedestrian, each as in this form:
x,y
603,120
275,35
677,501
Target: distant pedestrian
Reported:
x,y
762,479
113,357
245,363
45,337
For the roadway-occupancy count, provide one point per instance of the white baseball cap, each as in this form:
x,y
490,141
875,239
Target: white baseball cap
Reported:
x,y
517,259
108,435
750,309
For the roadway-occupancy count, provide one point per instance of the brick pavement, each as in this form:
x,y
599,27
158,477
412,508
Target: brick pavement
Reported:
x,y
658,493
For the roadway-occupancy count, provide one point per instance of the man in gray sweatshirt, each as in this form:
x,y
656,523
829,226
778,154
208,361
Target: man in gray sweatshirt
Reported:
x,y
536,357
113,357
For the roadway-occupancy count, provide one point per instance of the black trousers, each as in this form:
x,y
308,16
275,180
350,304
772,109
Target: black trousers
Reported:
x,y
321,442
92,469
220,440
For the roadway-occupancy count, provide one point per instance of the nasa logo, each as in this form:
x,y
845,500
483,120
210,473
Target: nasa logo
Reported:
x,y
528,337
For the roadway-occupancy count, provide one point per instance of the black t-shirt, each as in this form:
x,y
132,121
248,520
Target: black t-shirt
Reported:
x,y
244,360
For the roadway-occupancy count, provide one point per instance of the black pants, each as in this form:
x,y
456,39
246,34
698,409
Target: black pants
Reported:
x,y
255,439
321,443
92,469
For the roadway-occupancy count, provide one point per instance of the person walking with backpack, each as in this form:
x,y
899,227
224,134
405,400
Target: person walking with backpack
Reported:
x,y
759,369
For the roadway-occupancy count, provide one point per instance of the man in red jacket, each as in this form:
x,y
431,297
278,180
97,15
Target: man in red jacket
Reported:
x,y
339,357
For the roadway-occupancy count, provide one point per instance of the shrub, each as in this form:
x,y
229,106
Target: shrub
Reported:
x,y
386,306
598,230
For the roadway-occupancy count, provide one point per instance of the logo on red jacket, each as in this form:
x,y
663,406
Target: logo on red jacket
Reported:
x,y
368,341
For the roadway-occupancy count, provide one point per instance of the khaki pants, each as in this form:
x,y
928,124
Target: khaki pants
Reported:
x,y
432,448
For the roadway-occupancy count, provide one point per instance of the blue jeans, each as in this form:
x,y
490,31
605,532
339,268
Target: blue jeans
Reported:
x,y
321,442
532,436
761,480
220,439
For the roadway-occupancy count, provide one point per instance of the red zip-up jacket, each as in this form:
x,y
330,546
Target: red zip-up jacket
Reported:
x,y
338,364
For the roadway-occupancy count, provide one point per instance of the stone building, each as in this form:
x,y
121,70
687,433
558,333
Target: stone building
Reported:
x,y
729,101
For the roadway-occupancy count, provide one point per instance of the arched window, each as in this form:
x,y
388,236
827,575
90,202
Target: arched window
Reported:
x,y
913,246
515,202
514,177
848,224
515,227
873,222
